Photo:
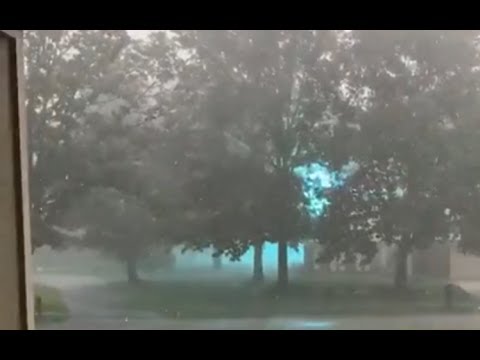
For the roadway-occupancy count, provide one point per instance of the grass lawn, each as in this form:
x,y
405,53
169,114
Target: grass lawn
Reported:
x,y
236,299
53,308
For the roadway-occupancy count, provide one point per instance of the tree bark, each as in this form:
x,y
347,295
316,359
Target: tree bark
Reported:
x,y
258,275
132,271
401,275
282,264
309,258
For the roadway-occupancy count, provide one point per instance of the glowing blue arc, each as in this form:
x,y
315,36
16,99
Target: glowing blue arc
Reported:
x,y
316,178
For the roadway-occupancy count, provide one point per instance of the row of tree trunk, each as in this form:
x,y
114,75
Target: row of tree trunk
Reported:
x,y
400,278
258,274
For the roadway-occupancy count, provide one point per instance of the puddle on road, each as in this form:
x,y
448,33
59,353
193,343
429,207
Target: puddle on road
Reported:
x,y
304,324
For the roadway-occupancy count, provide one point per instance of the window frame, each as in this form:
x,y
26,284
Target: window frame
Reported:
x,y
18,272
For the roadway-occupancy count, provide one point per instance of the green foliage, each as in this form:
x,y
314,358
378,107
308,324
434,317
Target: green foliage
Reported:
x,y
49,305
419,91
190,137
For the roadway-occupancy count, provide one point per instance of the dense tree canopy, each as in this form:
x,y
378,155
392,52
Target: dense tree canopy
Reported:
x,y
207,130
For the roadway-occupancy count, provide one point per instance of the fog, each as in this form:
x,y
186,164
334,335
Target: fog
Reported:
x,y
254,179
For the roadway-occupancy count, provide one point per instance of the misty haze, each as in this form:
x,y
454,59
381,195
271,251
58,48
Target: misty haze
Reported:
x,y
255,179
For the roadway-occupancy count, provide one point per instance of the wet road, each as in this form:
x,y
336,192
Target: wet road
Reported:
x,y
438,322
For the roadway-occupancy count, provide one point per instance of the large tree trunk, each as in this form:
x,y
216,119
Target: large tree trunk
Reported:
x,y
258,262
282,264
132,271
217,262
309,258
401,268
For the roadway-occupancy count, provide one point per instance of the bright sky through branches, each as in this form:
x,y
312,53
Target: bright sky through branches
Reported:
x,y
139,34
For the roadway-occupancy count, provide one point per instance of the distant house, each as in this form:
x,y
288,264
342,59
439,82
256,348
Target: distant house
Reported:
x,y
446,261
442,261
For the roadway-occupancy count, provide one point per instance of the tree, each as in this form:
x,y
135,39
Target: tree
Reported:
x,y
119,225
417,91
91,101
460,183
281,86
66,71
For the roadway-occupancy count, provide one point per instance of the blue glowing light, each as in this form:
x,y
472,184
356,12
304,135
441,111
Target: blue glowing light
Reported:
x,y
311,325
316,178
199,260
270,256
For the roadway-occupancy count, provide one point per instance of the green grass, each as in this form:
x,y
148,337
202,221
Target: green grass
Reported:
x,y
197,293
221,299
53,308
